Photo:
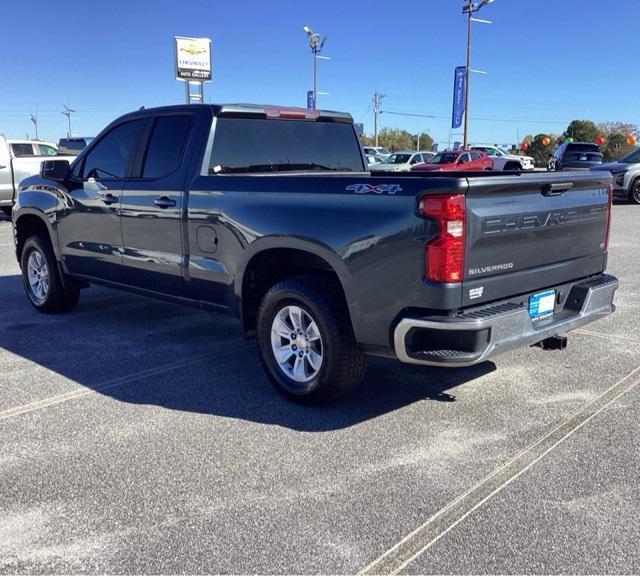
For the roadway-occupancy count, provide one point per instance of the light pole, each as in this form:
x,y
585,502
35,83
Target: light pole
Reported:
x,y
34,119
377,98
470,8
67,112
419,136
316,47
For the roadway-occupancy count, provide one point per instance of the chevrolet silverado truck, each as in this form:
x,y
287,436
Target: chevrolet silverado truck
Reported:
x,y
269,214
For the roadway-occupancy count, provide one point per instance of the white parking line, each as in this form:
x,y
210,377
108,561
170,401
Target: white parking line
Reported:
x,y
129,379
423,537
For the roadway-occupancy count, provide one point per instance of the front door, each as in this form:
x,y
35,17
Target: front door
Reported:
x,y
151,209
89,222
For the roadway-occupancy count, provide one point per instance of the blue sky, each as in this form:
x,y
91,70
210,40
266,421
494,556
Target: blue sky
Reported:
x,y
548,61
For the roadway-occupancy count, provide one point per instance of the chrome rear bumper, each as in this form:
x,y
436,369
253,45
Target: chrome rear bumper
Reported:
x,y
476,335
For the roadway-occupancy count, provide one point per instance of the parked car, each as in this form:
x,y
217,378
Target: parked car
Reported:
x,y
575,156
73,146
626,175
383,153
502,160
373,159
456,161
270,215
402,161
21,148
13,168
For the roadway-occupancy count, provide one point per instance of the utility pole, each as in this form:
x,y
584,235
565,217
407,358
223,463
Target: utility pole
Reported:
x,y
316,47
469,9
34,119
67,112
377,98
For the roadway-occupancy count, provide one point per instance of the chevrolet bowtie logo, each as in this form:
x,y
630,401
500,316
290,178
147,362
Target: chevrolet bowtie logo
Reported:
x,y
193,49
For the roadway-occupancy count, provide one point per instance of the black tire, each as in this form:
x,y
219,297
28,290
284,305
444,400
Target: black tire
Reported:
x,y
513,166
342,366
58,296
634,192
7,210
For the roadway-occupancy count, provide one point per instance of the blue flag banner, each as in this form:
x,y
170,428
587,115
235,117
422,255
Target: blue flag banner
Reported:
x,y
310,102
459,93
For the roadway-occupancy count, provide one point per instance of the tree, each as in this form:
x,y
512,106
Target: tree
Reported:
x,y
615,133
581,131
539,151
392,139
425,141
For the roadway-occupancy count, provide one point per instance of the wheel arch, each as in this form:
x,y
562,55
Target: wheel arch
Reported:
x,y
30,221
272,260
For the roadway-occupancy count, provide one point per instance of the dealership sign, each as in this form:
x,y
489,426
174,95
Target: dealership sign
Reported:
x,y
459,93
193,59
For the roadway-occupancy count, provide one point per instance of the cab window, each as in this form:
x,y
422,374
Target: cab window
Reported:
x,y
110,157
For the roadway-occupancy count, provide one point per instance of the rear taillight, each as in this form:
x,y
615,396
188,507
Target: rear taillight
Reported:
x,y
444,257
606,238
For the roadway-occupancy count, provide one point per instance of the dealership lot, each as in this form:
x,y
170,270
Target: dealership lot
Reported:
x,y
138,436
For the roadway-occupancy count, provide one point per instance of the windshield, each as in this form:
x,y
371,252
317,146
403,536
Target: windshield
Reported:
x,y
398,159
444,158
632,158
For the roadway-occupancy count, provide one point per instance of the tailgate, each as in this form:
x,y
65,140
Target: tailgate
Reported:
x,y
532,231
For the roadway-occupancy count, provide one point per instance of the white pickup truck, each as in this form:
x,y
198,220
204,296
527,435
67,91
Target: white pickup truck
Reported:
x,y
13,169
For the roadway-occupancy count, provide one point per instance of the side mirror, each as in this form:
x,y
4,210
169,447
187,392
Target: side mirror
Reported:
x,y
57,170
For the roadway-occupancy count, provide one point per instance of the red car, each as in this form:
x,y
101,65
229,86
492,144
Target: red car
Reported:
x,y
456,161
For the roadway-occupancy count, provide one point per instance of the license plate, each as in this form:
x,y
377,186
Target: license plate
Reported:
x,y
583,158
541,305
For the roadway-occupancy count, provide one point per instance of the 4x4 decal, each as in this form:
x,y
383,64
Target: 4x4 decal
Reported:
x,y
379,189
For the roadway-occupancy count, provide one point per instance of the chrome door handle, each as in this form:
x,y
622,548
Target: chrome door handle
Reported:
x,y
164,202
109,199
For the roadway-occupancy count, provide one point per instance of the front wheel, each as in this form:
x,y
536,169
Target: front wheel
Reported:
x,y
306,342
634,194
42,280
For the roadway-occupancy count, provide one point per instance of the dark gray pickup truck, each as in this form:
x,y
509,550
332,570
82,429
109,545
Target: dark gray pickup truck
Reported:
x,y
270,214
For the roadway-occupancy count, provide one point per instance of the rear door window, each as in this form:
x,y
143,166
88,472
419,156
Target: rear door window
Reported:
x,y
166,145
110,158
22,149
255,145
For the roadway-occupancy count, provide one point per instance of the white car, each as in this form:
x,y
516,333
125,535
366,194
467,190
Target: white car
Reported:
x,y
16,167
378,151
21,148
402,161
502,160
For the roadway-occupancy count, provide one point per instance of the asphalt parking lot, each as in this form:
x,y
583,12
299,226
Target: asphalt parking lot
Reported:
x,y
142,437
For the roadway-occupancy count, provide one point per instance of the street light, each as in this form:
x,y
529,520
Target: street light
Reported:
x,y
316,47
470,8
34,119
67,112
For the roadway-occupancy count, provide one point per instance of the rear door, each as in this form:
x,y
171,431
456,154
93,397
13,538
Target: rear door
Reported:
x,y
151,207
533,231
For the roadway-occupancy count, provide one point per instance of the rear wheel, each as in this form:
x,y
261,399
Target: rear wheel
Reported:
x,y
634,193
306,342
42,280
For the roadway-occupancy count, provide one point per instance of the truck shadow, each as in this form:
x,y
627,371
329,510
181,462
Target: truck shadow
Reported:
x,y
113,336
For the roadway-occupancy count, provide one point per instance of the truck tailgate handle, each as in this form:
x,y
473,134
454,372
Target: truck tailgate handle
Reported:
x,y
556,189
